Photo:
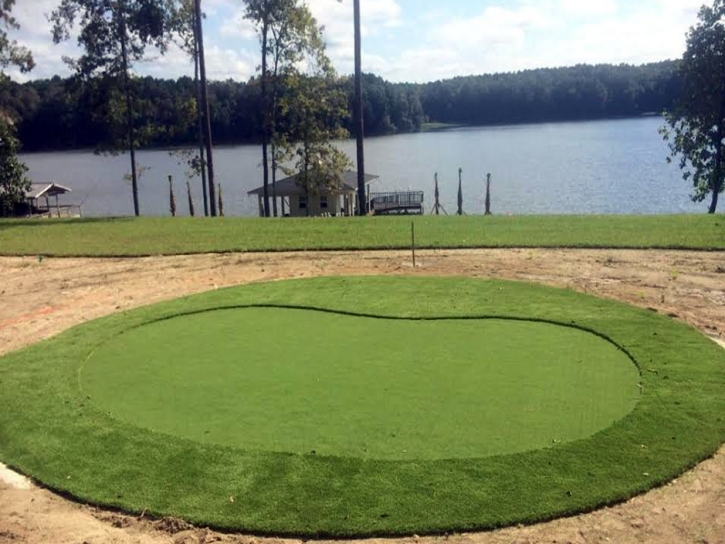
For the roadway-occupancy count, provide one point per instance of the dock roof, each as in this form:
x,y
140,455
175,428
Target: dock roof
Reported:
x,y
289,186
38,190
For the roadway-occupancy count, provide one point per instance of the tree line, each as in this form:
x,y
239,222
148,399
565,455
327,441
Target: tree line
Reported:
x,y
57,114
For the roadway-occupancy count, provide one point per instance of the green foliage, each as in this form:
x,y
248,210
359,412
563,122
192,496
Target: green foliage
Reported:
x,y
290,36
313,106
107,27
12,54
56,426
13,182
696,132
158,236
113,36
55,115
552,94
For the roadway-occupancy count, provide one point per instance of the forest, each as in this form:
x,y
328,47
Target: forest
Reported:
x,y
58,114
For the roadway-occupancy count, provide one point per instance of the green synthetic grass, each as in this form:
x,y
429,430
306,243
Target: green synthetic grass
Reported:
x,y
362,387
53,428
169,236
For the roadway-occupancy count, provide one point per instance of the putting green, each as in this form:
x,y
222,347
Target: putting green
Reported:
x,y
363,387
443,404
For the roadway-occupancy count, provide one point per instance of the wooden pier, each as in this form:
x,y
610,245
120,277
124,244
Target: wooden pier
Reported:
x,y
397,203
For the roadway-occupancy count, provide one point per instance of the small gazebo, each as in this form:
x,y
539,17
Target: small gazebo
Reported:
x,y
339,200
38,199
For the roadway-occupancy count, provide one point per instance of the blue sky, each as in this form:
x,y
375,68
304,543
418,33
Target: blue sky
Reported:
x,y
422,40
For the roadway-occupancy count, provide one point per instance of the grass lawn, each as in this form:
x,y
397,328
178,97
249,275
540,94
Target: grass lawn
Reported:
x,y
167,236
365,406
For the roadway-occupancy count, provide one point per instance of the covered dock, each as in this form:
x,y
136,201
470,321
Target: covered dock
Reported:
x,y
42,200
339,199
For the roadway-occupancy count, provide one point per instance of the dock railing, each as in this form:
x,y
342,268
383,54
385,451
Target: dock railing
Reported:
x,y
406,200
61,211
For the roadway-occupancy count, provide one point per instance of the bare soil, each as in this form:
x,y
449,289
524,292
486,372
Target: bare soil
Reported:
x,y
41,298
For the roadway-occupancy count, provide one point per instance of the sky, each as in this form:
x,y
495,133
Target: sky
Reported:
x,y
418,40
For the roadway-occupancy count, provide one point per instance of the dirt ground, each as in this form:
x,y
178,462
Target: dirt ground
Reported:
x,y
39,298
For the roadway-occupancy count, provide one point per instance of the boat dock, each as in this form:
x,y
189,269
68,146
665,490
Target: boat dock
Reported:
x,y
397,203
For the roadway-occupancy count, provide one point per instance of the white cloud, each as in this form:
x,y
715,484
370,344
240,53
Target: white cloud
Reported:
x,y
35,33
238,27
586,8
404,43
337,20
547,33
223,63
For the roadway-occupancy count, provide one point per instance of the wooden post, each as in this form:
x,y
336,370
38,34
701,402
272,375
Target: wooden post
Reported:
x,y
412,240
460,192
488,194
437,194
172,198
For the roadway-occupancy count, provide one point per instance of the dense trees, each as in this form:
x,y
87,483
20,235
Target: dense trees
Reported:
x,y
579,92
55,114
13,182
11,53
314,106
696,123
113,35
289,36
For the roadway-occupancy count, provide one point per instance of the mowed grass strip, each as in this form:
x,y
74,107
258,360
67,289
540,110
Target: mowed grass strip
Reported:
x,y
52,430
169,236
301,381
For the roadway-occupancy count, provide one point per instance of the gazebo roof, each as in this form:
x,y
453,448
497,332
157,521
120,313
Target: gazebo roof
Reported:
x,y
289,186
38,190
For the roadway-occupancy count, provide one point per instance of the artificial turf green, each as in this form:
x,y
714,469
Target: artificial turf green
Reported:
x,y
52,430
301,381
172,236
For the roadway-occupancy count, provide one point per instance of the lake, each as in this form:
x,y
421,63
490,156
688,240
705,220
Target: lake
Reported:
x,y
602,167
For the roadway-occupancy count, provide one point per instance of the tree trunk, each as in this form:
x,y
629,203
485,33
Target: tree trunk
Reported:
x,y
265,120
713,202
129,114
200,118
359,121
305,169
205,108
273,125
717,174
717,182
274,180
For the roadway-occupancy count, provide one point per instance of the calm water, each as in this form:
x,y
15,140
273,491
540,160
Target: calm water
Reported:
x,y
564,168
